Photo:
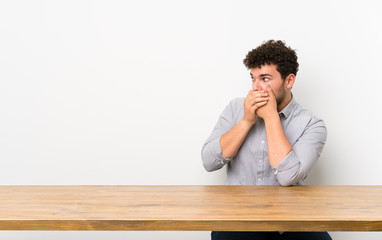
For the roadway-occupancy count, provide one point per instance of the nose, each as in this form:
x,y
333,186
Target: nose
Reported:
x,y
257,85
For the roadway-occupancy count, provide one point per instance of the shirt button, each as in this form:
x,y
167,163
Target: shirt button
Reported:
x,y
260,160
262,142
259,179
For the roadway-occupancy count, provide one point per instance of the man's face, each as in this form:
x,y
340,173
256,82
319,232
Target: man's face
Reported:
x,y
268,74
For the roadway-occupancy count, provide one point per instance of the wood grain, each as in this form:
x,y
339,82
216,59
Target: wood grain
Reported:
x,y
198,208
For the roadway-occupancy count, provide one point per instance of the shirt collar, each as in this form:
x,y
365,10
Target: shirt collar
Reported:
x,y
286,111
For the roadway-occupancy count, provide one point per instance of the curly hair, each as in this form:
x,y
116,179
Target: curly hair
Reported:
x,y
276,53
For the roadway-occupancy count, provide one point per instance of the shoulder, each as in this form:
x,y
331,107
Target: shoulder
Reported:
x,y
234,110
237,103
309,120
306,115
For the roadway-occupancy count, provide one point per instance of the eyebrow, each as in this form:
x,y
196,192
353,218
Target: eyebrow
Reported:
x,y
262,75
265,74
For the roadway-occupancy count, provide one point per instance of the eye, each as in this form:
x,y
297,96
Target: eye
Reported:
x,y
266,79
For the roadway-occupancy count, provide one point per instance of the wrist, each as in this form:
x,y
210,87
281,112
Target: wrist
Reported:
x,y
271,116
247,124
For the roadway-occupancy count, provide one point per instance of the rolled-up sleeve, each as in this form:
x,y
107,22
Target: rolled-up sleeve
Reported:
x,y
305,152
212,156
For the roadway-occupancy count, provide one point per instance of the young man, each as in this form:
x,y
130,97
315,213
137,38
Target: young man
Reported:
x,y
266,138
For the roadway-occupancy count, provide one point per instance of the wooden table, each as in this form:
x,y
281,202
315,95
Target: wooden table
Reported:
x,y
197,208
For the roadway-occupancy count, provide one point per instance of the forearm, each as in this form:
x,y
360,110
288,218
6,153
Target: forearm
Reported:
x,y
278,145
231,141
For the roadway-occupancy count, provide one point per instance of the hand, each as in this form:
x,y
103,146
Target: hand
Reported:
x,y
254,101
269,109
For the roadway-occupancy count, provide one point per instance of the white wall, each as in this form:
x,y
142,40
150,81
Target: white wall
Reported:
x,y
126,92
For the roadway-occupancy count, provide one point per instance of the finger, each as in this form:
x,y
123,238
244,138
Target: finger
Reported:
x,y
269,90
259,105
250,94
257,100
256,96
260,93
249,99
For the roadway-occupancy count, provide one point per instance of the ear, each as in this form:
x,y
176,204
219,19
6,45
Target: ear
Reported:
x,y
289,81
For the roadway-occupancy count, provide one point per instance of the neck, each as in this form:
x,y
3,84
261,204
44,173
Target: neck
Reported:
x,y
285,102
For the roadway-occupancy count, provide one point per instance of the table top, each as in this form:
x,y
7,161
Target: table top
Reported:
x,y
196,208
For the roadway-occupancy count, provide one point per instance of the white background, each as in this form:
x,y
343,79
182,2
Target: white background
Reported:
x,y
126,92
